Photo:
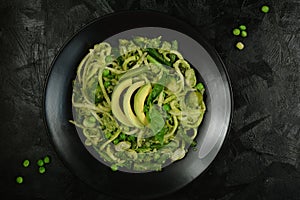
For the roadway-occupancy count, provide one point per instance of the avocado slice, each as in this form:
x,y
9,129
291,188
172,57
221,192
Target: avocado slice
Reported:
x,y
115,105
139,100
127,107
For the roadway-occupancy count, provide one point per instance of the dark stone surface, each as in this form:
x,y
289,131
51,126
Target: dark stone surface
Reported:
x,y
259,160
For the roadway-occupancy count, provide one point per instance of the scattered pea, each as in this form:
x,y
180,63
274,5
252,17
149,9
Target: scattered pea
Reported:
x,y
239,45
42,170
105,72
114,167
236,31
242,27
40,163
244,34
265,9
47,159
19,179
26,163
106,84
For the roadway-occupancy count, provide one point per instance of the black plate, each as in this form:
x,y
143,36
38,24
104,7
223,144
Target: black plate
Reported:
x,y
211,133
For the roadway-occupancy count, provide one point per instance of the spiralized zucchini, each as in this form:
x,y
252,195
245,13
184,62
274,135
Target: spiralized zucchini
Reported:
x,y
138,105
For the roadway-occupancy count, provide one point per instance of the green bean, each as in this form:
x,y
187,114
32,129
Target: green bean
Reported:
x,y
154,54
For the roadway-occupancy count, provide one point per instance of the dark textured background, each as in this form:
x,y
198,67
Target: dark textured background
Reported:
x,y
259,160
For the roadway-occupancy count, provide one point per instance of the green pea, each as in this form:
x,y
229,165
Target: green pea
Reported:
x,y
156,156
26,163
265,9
131,138
106,84
244,34
42,170
169,117
105,72
166,107
122,136
110,76
92,119
236,31
240,45
88,123
19,179
194,144
107,135
199,86
47,159
40,163
108,59
116,141
242,27
114,167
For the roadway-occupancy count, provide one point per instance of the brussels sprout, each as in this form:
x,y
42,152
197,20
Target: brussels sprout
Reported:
x,y
122,146
194,99
178,154
190,77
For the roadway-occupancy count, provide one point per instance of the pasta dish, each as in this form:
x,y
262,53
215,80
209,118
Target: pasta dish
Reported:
x,y
138,105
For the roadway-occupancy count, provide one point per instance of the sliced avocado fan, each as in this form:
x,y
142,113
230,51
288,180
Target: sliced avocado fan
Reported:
x,y
139,100
127,107
115,102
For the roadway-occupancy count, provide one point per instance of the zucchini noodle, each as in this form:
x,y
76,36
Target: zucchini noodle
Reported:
x,y
138,105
